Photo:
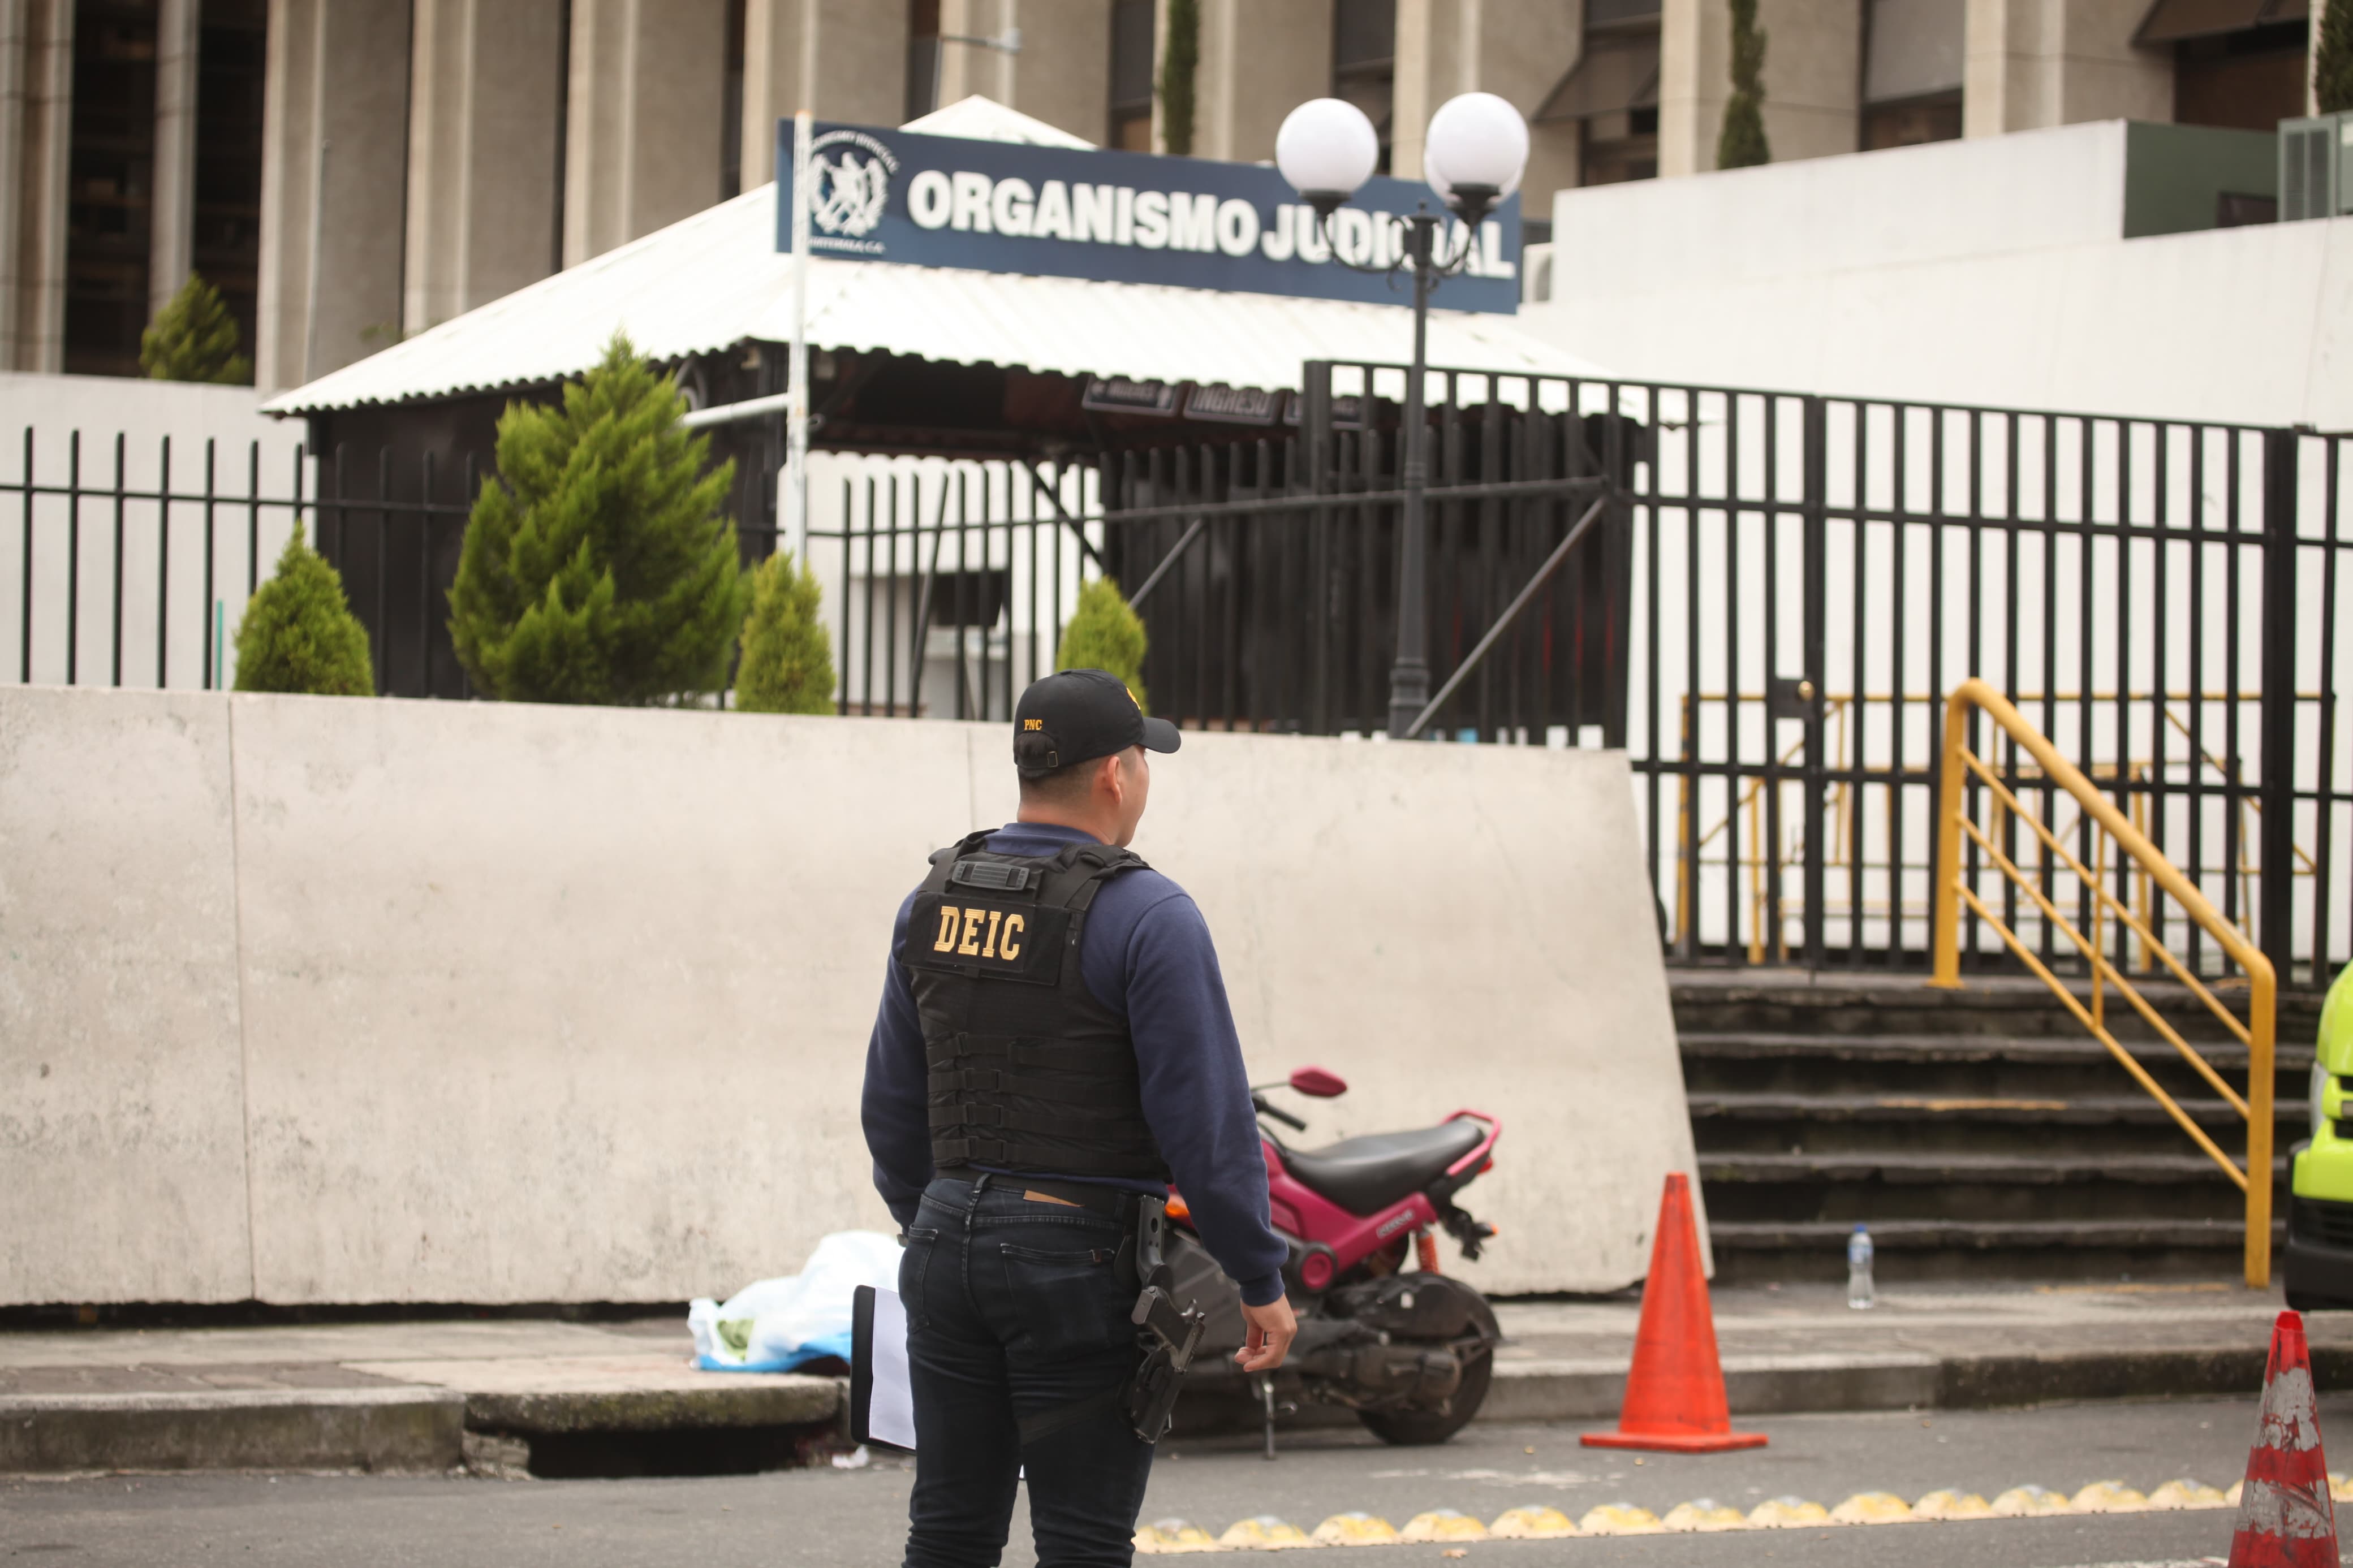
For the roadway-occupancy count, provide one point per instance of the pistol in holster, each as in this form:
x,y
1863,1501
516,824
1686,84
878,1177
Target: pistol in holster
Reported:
x,y
1170,1334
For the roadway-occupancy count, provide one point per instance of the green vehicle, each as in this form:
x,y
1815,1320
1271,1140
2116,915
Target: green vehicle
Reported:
x,y
2317,1267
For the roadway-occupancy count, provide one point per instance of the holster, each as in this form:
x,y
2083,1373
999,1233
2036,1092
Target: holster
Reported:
x,y
1169,1334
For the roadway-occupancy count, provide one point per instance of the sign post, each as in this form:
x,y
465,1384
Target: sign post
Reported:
x,y
797,420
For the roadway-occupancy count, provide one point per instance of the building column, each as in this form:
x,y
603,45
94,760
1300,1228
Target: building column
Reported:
x,y
172,212
644,121
1516,50
2031,63
335,109
1813,80
1259,62
485,97
863,49
36,135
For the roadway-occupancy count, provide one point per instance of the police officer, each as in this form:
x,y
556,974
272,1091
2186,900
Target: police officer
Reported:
x,y
1053,1042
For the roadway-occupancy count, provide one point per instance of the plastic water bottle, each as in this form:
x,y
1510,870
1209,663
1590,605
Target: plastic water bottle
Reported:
x,y
1860,1292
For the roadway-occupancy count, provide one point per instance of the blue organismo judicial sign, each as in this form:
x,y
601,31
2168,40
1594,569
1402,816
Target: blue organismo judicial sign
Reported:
x,y
1126,217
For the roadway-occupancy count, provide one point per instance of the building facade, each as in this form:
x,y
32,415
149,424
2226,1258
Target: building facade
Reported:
x,y
348,171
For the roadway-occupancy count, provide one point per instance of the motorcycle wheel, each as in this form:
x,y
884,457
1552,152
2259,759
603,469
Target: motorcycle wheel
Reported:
x,y
1418,1429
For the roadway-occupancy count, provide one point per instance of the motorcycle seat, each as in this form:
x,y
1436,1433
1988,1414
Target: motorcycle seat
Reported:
x,y
1365,1175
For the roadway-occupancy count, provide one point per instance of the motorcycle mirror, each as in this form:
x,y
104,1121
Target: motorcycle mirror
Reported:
x,y
1321,1082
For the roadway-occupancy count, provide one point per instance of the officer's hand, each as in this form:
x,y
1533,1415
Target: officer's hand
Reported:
x,y
1272,1329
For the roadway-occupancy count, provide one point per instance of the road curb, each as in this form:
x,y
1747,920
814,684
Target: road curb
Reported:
x,y
388,1429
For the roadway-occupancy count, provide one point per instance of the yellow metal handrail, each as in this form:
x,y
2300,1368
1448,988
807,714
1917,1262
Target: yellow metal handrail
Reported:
x,y
1953,890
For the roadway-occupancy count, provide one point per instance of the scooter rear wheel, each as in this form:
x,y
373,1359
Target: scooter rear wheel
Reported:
x,y
1410,1429
1416,1428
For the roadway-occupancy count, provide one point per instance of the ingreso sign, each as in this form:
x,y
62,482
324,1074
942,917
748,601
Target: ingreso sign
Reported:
x,y
1127,218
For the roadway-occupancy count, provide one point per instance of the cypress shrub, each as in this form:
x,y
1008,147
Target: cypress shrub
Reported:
x,y
1741,143
2332,65
787,665
598,565
194,337
299,633
1180,61
1105,634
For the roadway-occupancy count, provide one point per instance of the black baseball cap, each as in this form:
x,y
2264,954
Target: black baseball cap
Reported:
x,y
1078,715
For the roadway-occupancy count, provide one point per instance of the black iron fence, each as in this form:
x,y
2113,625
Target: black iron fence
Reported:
x,y
1768,596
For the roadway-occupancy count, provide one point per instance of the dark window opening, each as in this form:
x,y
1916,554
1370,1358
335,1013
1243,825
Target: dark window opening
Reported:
x,y
1935,118
923,57
226,247
1364,63
1612,93
110,185
2247,80
731,107
1131,76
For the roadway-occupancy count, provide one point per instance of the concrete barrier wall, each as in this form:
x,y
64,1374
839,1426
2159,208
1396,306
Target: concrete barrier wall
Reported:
x,y
376,1001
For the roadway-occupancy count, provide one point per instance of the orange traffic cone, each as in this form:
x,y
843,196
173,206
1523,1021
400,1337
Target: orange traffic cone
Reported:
x,y
2285,1517
1674,1396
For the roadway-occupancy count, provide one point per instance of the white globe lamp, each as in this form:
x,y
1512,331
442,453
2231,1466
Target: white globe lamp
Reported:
x,y
1326,149
1475,153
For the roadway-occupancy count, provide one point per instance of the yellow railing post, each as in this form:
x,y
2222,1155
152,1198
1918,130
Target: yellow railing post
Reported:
x,y
1945,929
2154,874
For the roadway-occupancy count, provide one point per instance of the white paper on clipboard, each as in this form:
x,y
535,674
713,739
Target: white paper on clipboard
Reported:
x,y
881,1403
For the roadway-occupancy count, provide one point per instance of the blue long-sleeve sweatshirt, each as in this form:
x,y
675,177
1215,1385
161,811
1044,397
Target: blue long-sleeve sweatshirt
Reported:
x,y
1146,956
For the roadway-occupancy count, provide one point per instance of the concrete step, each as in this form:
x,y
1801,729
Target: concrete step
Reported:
x,y
1955,1168
1912,1050
2058,1109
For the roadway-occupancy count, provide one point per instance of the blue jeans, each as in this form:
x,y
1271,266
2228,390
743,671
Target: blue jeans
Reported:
x,y
1014,1311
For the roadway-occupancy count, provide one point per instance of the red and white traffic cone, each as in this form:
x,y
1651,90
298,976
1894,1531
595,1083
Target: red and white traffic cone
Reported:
x,y
2285,1520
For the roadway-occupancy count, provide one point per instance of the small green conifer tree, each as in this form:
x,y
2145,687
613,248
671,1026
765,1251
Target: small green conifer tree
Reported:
x,y
788,665
598,565
194,337
1105,633
1180,61
2332,64
1741,143
299,633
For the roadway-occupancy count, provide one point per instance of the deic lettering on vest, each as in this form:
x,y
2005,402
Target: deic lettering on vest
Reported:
x,y
960,932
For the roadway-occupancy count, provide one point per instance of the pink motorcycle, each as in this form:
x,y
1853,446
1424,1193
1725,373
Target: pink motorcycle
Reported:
x,y
1410,1350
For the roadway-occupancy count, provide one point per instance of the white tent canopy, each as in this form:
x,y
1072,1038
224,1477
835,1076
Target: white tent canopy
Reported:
x,y
716,279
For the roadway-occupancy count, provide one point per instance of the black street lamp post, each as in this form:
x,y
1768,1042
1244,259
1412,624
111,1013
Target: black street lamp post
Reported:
x,y
1328,149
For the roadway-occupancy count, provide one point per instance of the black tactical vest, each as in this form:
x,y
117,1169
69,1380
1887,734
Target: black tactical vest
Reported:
x,y
1029,1071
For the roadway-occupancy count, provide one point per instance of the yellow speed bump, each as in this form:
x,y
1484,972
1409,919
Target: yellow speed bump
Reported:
x,y
2020,1502
1788,1513
1873,1507
1167,1535
2187,1493
1264,1533
1356,1528
2110,1497
1619,1519
1443,1524
2340,1487
1532,1523
1950,1502
1704,1513
2230,1498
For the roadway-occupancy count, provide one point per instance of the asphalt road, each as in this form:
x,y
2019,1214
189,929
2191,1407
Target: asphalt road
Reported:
x,y
855,1517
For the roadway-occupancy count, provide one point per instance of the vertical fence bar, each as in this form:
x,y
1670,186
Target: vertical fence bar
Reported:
x,y
117,618
1817,461
253,514
163,560
73,559
424,583
2276,925
206,627
24,625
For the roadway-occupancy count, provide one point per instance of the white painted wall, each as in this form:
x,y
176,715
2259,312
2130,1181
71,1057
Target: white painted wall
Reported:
x,y
506,1003
1984,271
74,555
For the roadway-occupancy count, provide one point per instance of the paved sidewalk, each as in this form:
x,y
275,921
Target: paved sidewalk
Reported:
x,y
426,1395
